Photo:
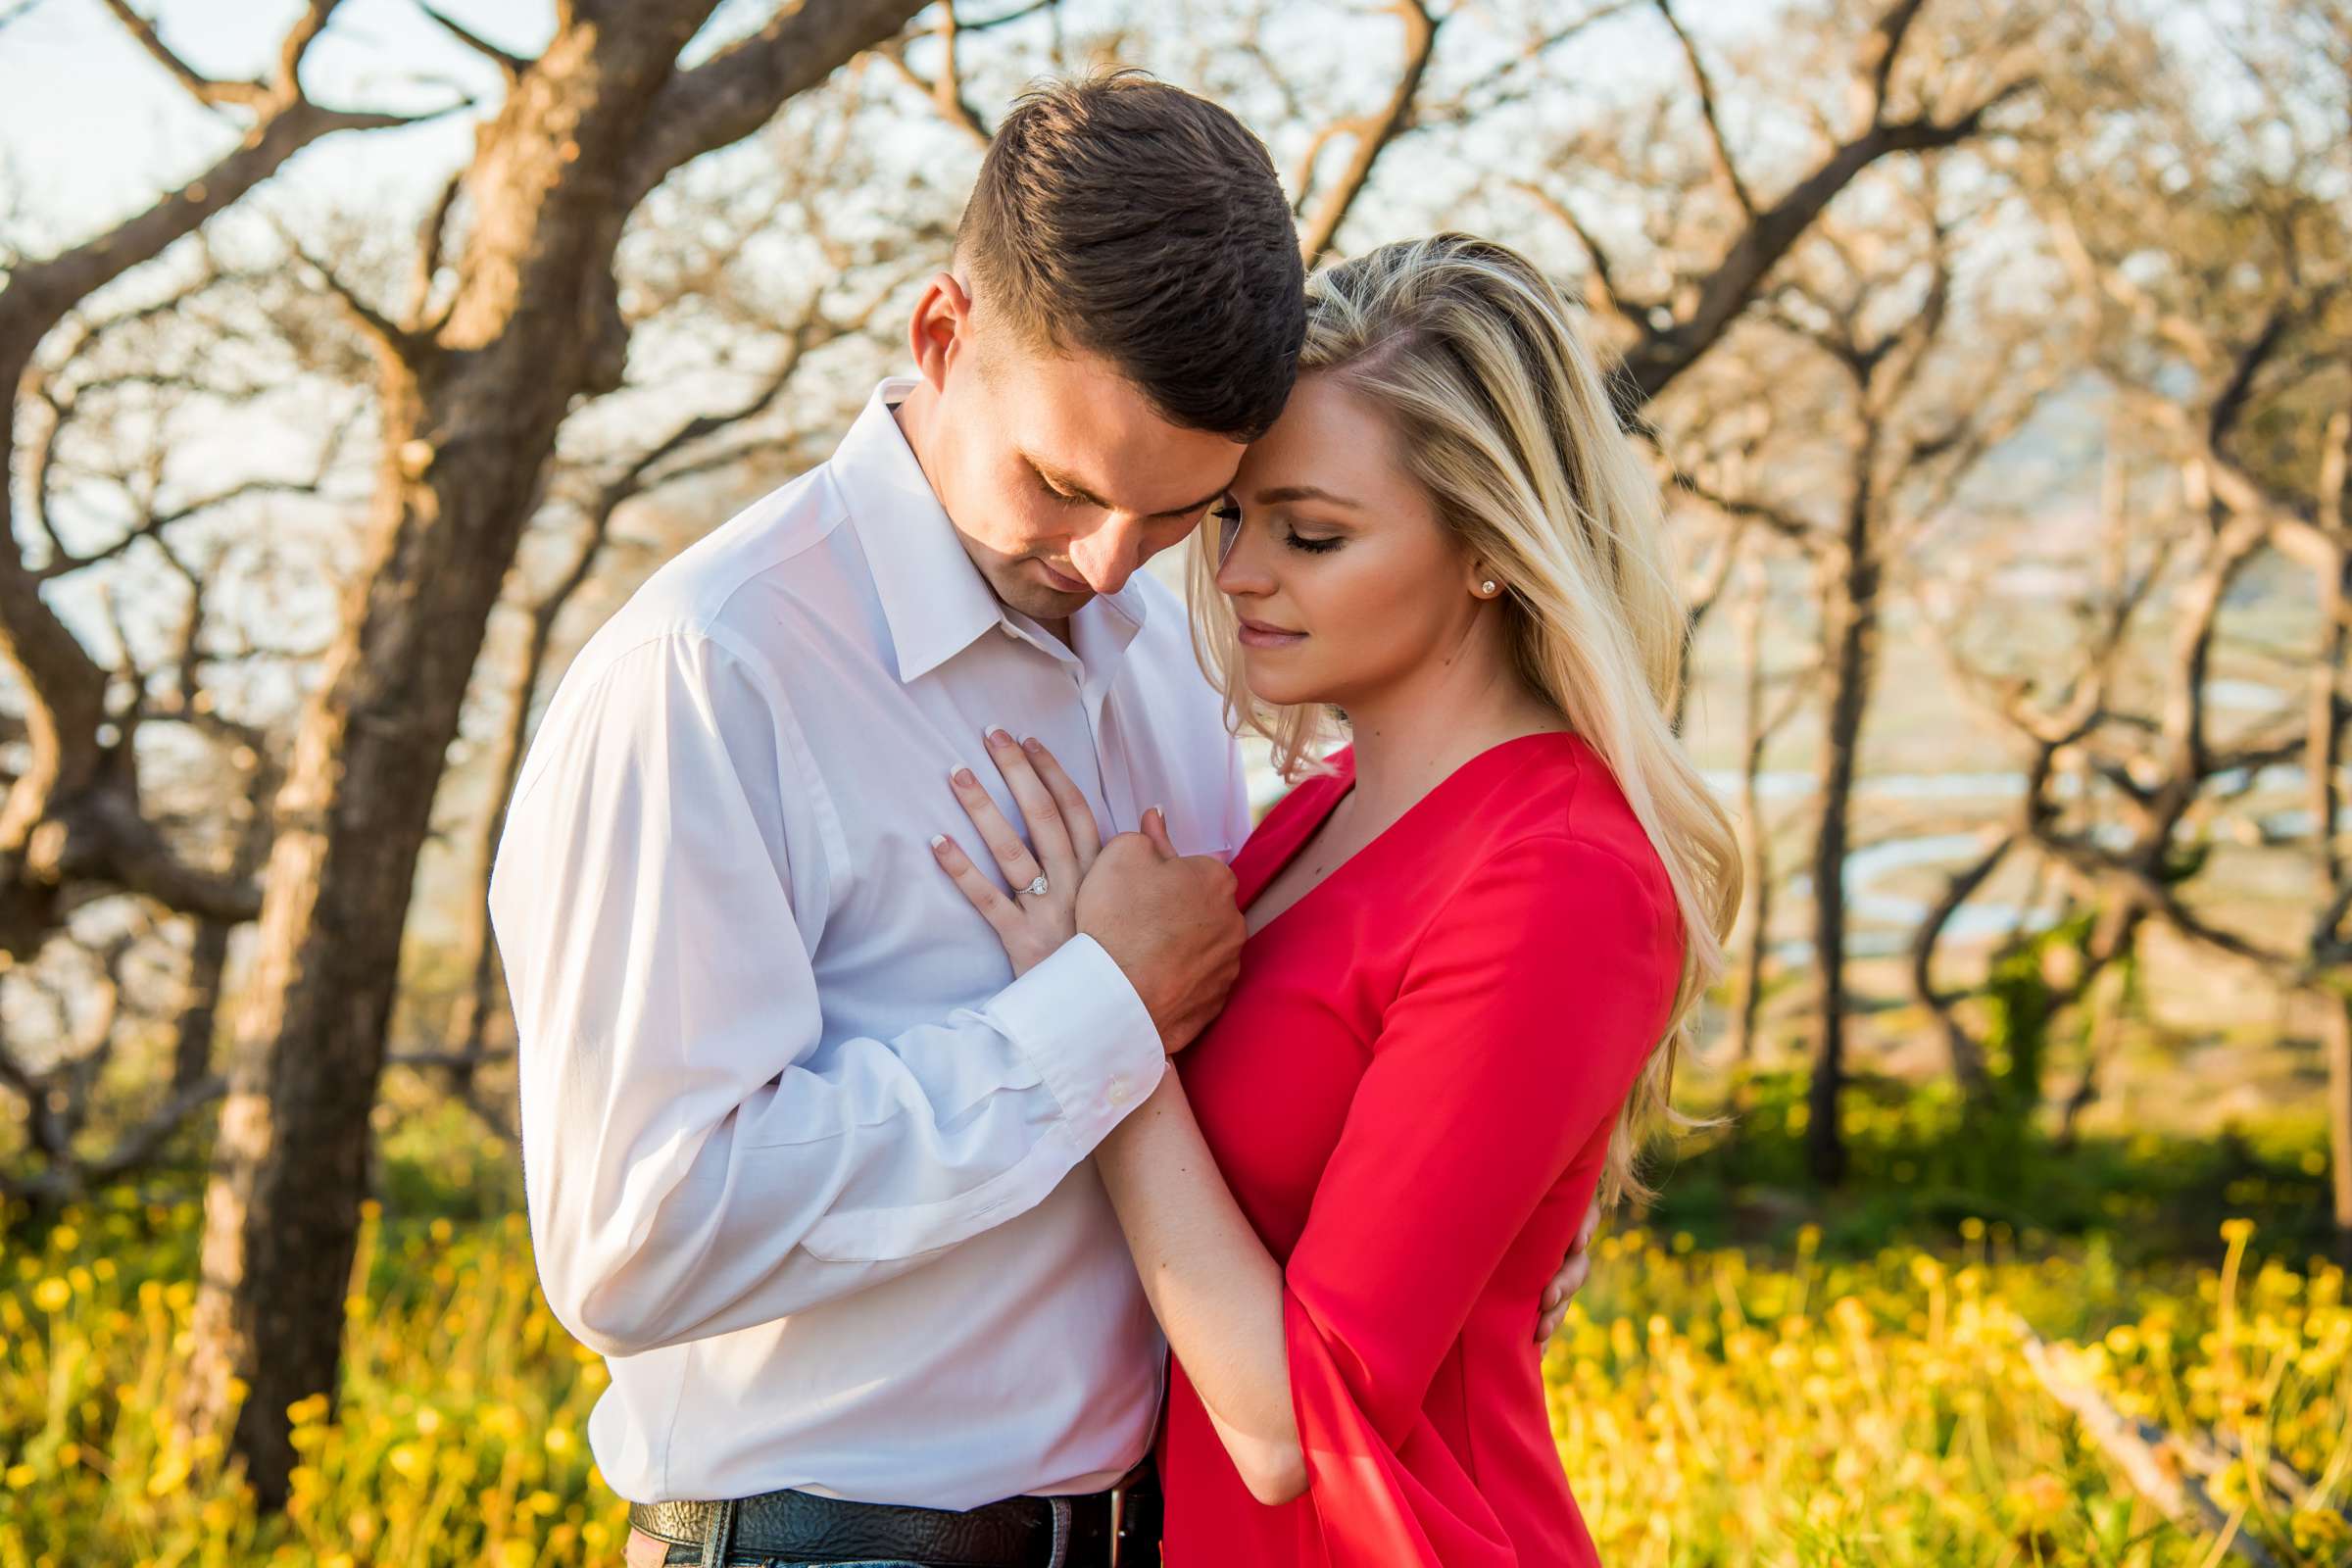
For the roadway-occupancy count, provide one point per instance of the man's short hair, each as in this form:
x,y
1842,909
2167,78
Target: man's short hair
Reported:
x,y
1118,216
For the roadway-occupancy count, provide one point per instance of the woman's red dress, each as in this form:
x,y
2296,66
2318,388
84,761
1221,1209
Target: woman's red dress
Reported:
x,y
1410,1093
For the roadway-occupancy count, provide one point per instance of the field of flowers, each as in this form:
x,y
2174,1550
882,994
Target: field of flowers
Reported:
x,y
1710,1408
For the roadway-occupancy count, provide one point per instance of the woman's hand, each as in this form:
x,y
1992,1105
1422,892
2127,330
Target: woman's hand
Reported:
x,y
1062,834
1575,1269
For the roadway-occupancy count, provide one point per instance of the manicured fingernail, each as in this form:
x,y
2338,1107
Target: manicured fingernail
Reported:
x,y
963,776
998,737
939,841
1033,744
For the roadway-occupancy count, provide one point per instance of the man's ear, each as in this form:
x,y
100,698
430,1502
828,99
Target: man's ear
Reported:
x,y
940,329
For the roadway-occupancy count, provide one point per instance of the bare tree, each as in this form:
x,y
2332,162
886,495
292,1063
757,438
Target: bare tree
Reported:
x,y
1764,712
2056,710
1914,417
1713,243
1323,210
133,551
71,812
471,389
2215,249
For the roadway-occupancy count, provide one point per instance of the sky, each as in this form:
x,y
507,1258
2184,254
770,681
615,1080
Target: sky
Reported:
x,y
90,128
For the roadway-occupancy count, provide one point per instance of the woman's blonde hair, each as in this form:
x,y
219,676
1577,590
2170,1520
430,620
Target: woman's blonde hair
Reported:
x,y
1503,415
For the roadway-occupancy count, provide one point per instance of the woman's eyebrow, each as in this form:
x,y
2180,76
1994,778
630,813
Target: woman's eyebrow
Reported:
x,y
1304,492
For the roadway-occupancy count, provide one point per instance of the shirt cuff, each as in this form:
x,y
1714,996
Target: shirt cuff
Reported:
x,y
1077,1019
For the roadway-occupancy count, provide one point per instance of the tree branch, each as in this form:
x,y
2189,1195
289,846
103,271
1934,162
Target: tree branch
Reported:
x,y
1874,61
204,89
1373,133
510,66
155,522
431,242
388,336
946,93
1604,295
740,88
2231,402
1725,167
1787,524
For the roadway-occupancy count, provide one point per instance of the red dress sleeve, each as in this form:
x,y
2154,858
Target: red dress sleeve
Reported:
x,y
1524,1015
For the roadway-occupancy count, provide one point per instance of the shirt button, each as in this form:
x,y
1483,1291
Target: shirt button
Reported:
x,y
1120,1088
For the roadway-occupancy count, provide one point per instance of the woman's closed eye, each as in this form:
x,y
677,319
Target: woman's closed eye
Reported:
x,y
1228,515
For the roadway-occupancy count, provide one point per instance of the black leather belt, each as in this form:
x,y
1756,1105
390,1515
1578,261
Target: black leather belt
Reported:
x,y
1115,1529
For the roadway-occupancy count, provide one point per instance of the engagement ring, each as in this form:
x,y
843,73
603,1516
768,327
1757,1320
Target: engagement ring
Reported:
x,y
1037,887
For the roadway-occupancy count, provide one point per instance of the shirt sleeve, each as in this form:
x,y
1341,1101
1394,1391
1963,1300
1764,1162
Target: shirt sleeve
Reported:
x,y
1522,1021
692,1165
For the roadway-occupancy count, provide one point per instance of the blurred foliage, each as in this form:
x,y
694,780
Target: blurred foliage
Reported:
x,y
1924,1160
1849,1390
1880,1410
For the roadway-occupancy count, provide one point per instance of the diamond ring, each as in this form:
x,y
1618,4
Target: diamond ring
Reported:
x,y
1037,887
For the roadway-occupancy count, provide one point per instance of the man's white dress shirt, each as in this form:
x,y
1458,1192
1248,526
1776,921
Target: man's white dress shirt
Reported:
x,y
802,1159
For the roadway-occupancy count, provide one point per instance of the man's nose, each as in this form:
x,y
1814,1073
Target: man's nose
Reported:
x,y
1106,558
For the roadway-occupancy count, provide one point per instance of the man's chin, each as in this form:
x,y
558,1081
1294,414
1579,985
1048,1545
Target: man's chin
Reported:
x,y
1025,589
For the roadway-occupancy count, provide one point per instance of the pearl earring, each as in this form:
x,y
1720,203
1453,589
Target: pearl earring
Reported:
x,y
1486,588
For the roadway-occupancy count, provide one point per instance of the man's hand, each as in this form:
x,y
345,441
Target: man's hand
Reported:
x,y
1170,923
1570,1279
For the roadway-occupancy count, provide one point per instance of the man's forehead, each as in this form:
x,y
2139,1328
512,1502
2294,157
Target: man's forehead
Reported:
x,y
1088,428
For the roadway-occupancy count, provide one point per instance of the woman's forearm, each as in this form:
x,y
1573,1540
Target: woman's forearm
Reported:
x,y
1213,1286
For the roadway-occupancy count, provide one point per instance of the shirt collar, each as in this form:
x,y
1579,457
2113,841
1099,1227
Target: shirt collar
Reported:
x,y
933,598
935,601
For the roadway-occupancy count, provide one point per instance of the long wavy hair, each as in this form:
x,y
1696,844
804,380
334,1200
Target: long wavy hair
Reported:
x,y
1502,416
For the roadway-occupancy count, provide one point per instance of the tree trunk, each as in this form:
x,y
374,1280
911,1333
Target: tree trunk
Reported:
x,y
2323,758
192,1046
468,420
1849,632
291,1162
1755,846
2338,1029
470,408
485,990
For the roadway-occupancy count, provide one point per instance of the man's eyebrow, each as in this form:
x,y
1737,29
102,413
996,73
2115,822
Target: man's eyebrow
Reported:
x,y
1304,492
1189,508
1068,486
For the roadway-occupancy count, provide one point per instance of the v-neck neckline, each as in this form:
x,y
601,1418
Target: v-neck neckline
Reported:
x,y
1312,821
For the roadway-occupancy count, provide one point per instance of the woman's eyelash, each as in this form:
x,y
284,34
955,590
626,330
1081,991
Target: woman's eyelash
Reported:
x,y
1230,514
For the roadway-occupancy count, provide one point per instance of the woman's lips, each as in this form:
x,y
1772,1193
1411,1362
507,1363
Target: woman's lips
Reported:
x,y
1257,634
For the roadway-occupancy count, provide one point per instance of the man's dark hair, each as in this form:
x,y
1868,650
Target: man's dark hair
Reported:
x,y
1118,216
